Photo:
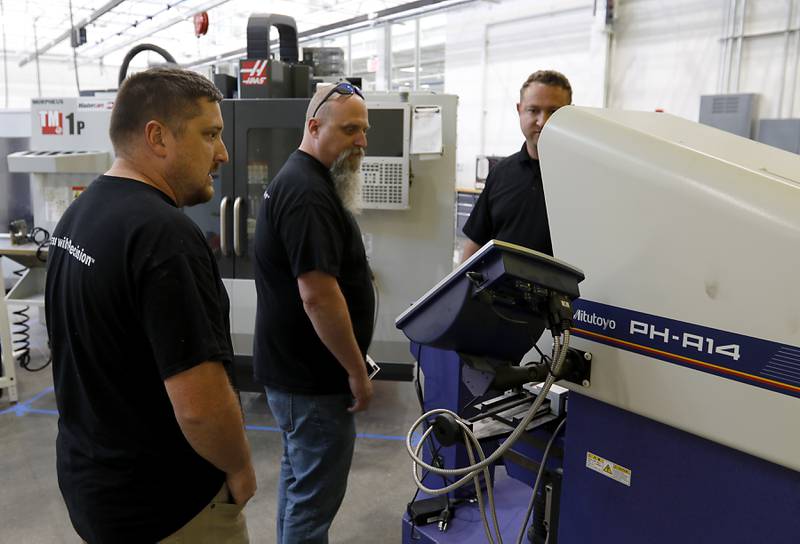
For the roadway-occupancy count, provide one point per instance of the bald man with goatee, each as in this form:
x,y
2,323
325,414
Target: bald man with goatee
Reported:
x,y
315,311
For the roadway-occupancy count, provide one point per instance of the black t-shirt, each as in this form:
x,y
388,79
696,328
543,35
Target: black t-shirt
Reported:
x,y
302,226
512,207
133,296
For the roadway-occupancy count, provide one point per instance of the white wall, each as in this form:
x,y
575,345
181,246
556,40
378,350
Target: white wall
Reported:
x,y
667,54
662,55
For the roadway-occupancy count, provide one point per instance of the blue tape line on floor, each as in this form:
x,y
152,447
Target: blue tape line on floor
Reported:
x,y
380,436
358,435
262,428
23,408
38,411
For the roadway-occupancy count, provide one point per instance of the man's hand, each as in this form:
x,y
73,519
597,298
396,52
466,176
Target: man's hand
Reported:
x,y
470,248
361,387
242,485
210,417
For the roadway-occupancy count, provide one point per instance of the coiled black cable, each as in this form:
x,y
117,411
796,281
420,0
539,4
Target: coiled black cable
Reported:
x,y
21,338
41,237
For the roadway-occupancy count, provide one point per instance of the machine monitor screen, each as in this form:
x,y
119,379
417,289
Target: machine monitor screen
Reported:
x,y
385,136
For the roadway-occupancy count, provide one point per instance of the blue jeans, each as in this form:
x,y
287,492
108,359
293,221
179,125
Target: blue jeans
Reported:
x,y
318,438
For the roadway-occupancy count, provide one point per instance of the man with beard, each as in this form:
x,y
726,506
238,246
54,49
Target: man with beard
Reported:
x,y
512,206
315,311
151,443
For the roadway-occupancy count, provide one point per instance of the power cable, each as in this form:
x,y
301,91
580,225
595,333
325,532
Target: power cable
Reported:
x,y
538,480
5,54
36,49
74,49
473,471
376,291
560,354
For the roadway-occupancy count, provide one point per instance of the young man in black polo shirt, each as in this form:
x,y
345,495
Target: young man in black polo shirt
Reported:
x,y
315,312
151,444
512,207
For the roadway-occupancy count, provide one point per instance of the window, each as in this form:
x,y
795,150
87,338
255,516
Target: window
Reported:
x,y
366,48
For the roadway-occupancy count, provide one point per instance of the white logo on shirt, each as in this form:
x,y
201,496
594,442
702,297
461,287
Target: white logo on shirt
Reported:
x,y
76,251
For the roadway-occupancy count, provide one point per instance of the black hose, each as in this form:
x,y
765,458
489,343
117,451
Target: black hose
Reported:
x,y
21,338
123,70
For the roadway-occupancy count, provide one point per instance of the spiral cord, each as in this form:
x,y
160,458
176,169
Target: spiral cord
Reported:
x,y
21,338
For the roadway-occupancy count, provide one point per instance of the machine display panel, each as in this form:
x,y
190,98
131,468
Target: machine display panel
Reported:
x,y
385,136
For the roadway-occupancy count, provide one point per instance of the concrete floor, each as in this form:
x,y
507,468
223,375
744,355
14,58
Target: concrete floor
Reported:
x,y
380,485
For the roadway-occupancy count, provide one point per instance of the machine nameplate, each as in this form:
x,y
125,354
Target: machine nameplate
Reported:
x,y
608,468
753,361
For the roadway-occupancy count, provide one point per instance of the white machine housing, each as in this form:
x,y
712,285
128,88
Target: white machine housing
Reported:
x,y
386,177
69,148
676,219
409,248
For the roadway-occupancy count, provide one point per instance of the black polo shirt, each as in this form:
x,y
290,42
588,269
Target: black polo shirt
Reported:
x,y
302,226
512,207
133,296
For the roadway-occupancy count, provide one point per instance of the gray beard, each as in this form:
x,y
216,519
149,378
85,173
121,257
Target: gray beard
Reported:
x,y
348,182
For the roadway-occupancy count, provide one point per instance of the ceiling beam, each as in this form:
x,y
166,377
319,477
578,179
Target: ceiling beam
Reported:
x,y
90,19
402,11
166,24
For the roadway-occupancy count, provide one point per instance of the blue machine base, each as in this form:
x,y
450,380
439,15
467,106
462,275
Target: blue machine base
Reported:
x,y
684,489
511,498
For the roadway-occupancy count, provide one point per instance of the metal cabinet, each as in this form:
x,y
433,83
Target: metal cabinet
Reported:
x,y
408,249
260,134
465,201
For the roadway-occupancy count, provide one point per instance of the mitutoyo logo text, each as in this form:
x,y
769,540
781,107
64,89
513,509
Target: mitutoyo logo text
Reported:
x,y
583,316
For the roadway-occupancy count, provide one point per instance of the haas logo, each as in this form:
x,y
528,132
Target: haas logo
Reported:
x,y
254,72
52,122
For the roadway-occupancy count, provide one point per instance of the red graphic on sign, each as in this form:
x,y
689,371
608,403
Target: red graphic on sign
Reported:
x,y
254,72
52,122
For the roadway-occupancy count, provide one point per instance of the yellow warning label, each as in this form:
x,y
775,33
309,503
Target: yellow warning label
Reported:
x,y
608,468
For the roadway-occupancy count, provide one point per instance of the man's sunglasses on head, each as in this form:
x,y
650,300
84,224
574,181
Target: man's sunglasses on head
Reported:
x,y
343,88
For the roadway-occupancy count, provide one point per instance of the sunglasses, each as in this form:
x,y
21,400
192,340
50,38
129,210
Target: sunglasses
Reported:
x,y
343,88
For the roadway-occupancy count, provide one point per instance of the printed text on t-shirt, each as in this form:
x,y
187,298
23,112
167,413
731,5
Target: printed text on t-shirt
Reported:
x,y
76,251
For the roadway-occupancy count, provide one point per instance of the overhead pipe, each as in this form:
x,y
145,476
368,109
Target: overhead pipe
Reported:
x,y
123,69
395,14
785,59
794,73
725,49
61,37
175,20
739,41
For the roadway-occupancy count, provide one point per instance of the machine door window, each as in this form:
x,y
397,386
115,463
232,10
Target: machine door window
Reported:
x,y
267,151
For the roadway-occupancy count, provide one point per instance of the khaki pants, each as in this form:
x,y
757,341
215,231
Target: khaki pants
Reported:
x,y
221,522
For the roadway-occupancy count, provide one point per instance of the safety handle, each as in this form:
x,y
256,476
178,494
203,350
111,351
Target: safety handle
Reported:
x,y
223,226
